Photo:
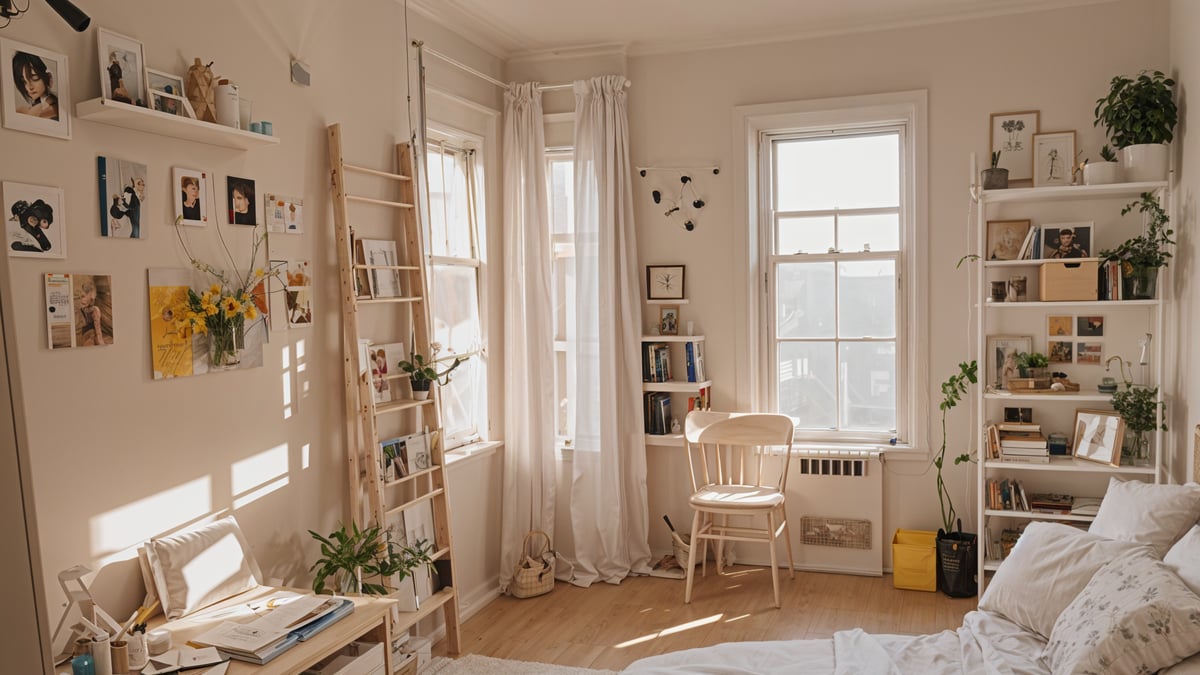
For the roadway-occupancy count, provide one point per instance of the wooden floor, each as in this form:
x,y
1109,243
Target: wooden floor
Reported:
x,y
609,626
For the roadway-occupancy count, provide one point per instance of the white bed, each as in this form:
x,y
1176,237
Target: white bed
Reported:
x,y
1121,598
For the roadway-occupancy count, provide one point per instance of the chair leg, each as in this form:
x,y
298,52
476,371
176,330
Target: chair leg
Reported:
x,y
691,561
787,539
774,561
721,545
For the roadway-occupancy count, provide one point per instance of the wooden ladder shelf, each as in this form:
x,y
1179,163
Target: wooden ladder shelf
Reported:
x,y
404,317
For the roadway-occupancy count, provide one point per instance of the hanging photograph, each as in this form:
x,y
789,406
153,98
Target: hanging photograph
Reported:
x,y
239,199
1012,136
284,214
34,81
78,310
122,68
664,282
1089,353
191,204
1005,238
1090,326
1060,351
1053,157
122,187
1098,436
1066,240
668,320
36,222
1002,351
1058,325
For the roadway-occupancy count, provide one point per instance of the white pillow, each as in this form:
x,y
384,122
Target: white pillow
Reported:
x,y
1044,572
1134,616
1147,513
1184,559
196,568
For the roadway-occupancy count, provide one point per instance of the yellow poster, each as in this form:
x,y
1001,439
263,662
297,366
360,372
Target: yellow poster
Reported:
x,y
171,352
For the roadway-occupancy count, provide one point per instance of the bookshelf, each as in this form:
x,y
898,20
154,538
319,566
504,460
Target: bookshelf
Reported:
x,y
672,366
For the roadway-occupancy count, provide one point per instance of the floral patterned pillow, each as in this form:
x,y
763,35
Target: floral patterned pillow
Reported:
x,y
1135,616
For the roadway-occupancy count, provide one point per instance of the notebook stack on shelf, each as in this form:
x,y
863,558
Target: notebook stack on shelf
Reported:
x,y
1023,442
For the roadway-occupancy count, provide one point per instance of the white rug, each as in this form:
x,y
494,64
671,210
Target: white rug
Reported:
x,y
474,664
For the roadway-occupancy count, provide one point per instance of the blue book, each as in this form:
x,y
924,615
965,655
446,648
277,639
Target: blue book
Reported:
x,y
313,627
691,361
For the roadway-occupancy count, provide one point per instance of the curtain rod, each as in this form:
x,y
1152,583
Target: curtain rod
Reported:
x,y
484,76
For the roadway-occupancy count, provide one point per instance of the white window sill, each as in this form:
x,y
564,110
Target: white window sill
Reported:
x,y
477,450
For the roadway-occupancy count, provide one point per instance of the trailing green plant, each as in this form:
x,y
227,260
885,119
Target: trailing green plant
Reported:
x,y
353,556
1138,110
995,159
1108,154
423,372
1032,360
1148,249
953,390
1142,412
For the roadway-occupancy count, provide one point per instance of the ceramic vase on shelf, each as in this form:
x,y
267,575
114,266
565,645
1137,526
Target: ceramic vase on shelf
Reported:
x,y
225,345
995,179
420,389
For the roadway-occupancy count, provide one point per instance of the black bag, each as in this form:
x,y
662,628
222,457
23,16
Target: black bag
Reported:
x,y
957,563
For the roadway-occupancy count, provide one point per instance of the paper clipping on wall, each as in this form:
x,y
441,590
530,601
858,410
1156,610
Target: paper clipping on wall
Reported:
x,y
284,214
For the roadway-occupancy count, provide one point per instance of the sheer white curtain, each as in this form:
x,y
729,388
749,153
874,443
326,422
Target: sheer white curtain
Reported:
x,y
608,496
529,453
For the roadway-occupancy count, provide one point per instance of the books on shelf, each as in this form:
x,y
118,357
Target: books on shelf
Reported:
x,y
1020,427
1051,502
656,362
1022,439
1024,459
657,412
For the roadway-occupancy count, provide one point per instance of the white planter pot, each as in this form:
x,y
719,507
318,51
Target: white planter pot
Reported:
x,y
1102,173
1145,163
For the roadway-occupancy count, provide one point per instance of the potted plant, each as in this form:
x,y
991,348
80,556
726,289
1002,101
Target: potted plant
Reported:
x,y
1032,364
351,558
957,551
1104,172
1140,409
995,178
1139,116
422,372
1141,256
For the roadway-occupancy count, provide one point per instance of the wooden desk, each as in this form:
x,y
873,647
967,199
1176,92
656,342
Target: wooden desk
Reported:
x,y
371,620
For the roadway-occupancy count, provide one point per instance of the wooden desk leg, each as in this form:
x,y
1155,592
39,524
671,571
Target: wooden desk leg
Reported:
x,y
382,632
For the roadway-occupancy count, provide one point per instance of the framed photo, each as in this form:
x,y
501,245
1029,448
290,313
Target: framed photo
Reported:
x,y
122,189
1005,238
122,68
34,80
1002,353
1053,157
239,199
1098,436
1089,353
37,227
1090,326
1060,351
166,83
668,320
1012,135
172,105
1067,240
664,282
1017,414
192,202
1057,326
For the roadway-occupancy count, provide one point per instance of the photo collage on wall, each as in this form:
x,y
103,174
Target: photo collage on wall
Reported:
x,y
1075,339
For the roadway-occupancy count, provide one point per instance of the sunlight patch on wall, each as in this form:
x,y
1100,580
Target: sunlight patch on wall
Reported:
x,y
304,452
259,475
212,567
301,367
285,365
137,521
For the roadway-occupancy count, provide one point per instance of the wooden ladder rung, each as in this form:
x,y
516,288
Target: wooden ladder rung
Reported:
x,y
413,502
372,200
376,172
412,476
362,266
397,406
399,298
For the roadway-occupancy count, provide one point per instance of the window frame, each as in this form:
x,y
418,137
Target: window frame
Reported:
x,y
750,124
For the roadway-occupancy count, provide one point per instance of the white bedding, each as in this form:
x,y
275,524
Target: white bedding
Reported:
x,y
985,643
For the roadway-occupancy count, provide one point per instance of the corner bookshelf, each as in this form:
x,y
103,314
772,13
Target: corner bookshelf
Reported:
x,y
680,350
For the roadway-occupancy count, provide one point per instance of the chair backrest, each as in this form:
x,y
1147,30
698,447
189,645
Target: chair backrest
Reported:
x,y
723,447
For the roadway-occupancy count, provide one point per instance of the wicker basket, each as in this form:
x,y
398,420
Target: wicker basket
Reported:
x,y
534,574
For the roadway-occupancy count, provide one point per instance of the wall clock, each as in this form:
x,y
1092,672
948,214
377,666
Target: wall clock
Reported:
x,y
664,282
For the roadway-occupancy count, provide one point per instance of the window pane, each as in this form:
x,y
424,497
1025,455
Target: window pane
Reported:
x,y
808,384
847,172
804,300
462,398
868,386
562,190
867,299
455,309
437,204
805,235
458,220
881,232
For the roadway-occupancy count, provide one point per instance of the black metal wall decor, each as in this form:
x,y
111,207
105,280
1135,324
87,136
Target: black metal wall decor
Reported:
x,y
683,204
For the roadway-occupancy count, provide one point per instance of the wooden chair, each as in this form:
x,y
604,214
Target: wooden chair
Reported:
x,y
730,478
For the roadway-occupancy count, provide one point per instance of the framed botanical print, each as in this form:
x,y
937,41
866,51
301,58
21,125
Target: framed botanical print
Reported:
x,y
1012,135
664,282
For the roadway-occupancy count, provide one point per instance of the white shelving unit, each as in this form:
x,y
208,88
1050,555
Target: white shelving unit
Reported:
x,y
1125,320
676,347
117,114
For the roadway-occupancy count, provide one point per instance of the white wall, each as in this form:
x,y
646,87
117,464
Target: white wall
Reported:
x,y
118,457
1058,62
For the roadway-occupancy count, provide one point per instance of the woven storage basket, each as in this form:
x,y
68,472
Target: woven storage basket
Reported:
x,y
534,575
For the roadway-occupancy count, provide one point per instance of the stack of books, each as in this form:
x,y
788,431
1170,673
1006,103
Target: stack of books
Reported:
x,y
1050,502
656,409
1023,442
281,622
1004,494
656,362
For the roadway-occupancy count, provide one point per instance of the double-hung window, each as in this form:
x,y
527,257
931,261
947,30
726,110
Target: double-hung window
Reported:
x,y
456,258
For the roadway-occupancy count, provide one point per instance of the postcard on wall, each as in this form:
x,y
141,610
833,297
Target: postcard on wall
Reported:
x,y
284,214
122,196
192,204
171,352
36,225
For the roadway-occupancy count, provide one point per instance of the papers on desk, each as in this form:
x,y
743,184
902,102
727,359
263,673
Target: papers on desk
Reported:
x,y
282,620
183,658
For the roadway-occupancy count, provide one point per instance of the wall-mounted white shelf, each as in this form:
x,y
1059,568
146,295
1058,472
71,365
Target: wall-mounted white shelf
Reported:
x,y
1107,304
115,113
667,440
1068,192
680,301
1037,515
1049,395
680,387
672,338
1069,464
1036,263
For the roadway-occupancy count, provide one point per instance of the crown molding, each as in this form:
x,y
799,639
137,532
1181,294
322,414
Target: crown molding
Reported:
x,y
449,15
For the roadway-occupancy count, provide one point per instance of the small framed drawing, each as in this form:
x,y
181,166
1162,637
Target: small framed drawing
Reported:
x,y
34,80
37,228
1053,158
664,282
1098,436
122,68
1002,353
191,206
668,320
1006,238
1011,134
1067,240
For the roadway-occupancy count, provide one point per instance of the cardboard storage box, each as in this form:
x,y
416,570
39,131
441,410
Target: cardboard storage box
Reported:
x,y
1068,279
914,560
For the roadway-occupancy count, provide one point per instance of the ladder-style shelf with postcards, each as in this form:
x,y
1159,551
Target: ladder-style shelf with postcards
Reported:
x,y
394,447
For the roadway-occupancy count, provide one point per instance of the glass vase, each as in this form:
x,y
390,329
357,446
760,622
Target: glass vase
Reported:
x,y
225,345
1141,282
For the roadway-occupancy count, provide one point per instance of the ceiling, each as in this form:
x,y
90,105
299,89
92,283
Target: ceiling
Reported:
x,y
512,29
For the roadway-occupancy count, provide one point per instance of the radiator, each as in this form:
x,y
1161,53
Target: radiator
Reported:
x,y
840,487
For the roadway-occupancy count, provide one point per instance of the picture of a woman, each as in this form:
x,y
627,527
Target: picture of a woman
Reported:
x,y
241,201
35,84
190,198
